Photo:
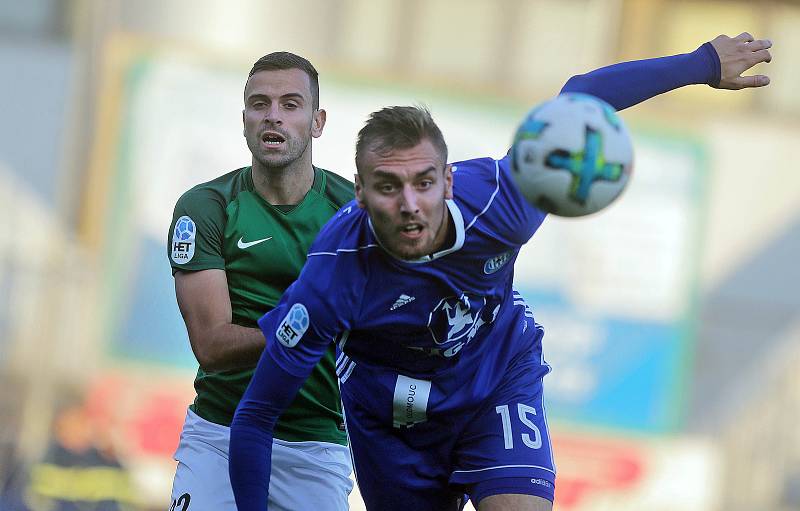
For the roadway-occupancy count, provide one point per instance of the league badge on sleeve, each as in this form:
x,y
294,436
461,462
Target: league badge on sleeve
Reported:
x,y
183,236
293,326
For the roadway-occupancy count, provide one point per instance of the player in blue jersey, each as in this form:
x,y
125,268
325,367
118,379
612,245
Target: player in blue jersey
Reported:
x,y
440,362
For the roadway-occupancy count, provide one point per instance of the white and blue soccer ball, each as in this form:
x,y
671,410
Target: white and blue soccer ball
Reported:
x,y
572,155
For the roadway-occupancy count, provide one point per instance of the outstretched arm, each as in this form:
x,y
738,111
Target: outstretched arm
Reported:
x,y
719,63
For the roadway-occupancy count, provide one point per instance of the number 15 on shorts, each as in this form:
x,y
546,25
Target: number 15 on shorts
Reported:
x,y
531,436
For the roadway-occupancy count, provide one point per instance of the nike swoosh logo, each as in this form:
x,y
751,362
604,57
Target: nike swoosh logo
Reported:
x,y
247,244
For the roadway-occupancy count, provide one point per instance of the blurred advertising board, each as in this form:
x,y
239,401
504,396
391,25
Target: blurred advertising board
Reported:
x,y
601,471
140,412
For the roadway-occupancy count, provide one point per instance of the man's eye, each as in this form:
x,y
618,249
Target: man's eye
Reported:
x,y
291,106
425,184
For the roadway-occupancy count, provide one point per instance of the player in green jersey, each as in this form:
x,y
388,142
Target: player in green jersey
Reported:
x,y
235,244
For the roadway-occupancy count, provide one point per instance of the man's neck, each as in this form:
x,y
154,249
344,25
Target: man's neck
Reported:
x,y
283,185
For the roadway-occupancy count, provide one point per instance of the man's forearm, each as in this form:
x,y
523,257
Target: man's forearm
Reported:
x,y
227,347
271,391
629,83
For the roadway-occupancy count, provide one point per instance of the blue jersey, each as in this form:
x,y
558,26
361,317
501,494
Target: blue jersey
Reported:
x,y
424,318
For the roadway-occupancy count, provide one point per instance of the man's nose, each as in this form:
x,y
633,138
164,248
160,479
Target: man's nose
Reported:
x,y
408,201
272,114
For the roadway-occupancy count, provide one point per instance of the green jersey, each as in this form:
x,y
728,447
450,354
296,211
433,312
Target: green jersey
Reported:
x,y
225,224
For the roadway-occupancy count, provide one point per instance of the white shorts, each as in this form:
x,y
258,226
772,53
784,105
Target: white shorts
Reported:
x,y
305,475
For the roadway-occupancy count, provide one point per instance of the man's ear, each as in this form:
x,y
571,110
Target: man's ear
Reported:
x,y
448,181
318,122
359,191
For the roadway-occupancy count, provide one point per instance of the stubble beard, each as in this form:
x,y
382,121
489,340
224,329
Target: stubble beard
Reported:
x,y
406,251
294,151
428,245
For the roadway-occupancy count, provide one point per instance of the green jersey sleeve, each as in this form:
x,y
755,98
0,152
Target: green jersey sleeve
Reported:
x,y
194,241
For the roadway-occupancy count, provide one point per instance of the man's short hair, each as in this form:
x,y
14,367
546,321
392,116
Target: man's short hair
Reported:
x,y
285,60
398,127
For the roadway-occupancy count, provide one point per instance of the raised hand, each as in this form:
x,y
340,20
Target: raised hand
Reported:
x,y
737,55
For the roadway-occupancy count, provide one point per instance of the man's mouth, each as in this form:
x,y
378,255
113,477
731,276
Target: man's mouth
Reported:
x,y
411,230
272,138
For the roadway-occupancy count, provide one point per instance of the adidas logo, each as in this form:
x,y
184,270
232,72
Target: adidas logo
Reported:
x,y
403,300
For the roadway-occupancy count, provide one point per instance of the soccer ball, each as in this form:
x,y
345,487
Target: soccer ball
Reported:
x,y
572,155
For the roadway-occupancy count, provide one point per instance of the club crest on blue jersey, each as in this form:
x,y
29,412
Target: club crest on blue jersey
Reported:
x,y
455,321
497,262
183,236
293,326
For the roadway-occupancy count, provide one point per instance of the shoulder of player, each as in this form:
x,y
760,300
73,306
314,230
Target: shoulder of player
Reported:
x,y
480,191
338,257
222,189
476,167
477,179
346,234
338,190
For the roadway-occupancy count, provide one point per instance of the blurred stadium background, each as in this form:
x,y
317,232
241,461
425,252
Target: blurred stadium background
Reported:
x,y
673,318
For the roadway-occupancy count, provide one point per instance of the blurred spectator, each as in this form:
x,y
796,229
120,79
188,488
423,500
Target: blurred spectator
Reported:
x,y
11,468
74,474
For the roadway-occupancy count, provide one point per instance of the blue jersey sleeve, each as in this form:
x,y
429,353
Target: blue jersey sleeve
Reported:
x,y
629,83
495,203
298,332
250,450
523,217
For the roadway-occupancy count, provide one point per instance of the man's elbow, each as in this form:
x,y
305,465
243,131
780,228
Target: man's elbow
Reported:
x,y
207,356
577,83
210,365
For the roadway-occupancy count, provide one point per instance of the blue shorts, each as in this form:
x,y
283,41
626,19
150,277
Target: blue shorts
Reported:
x,y
499,444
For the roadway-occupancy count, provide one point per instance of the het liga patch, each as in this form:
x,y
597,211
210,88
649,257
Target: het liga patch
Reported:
x,y
293,326
183,243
